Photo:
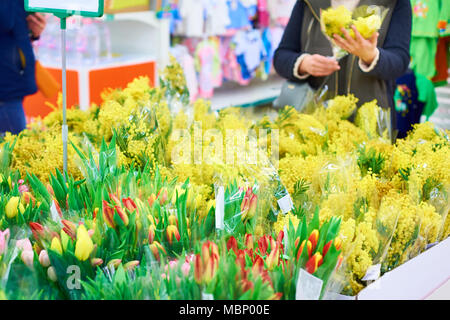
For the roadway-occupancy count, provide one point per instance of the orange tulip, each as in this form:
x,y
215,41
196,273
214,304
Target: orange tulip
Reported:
x,y
274,257
151,199
151,233
122,214
249,241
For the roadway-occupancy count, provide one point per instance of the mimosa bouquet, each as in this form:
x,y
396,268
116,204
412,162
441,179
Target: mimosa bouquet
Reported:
x,y
366,19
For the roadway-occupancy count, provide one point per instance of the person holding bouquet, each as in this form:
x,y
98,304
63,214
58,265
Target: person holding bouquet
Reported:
x,y
369,71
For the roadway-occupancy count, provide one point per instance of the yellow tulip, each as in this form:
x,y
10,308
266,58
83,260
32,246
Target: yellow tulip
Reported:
x,y
12,207
84,245
56,245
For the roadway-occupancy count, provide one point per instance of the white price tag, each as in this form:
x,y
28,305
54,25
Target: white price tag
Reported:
x,y
286,204
207,296
308,286
373,273
220,208
54,213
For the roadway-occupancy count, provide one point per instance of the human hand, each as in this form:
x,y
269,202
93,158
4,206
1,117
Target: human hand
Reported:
x,y
365,49
318,66
36,24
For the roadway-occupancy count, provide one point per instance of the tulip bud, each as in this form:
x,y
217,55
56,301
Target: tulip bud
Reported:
x,y
198,269
70,228
12,207
51,273
56,245
108,215
122,215
84,245
185,268
173,220
44,259
115,263
338,243
314,238
114,199
151,233
252,206
327,247
131,265
4,237
314,263
27,258
249,241
96,262
273,258
172,231
232,244
129,204
151,200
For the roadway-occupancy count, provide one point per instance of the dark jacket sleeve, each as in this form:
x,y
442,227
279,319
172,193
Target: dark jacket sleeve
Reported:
x,y
289,49
6,16
394,55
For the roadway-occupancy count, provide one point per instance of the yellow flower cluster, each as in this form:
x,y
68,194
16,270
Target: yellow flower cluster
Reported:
x,y
333,20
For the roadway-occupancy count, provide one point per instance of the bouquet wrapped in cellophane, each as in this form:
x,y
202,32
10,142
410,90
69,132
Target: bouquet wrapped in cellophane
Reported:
x,y
366,19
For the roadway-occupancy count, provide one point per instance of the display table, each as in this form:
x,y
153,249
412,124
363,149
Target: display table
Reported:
x,y
85,84
416,279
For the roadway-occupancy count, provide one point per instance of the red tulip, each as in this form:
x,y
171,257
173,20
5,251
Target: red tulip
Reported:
x,y
108,214
314,238
37,230
232,244
314,263
70,228
129,204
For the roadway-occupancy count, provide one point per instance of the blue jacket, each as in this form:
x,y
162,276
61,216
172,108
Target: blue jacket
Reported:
x,y
17,74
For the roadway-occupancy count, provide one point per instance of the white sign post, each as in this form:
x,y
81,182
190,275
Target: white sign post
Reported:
x,y
63,10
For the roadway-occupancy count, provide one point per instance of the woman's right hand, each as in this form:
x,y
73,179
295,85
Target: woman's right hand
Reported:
x,y
318,66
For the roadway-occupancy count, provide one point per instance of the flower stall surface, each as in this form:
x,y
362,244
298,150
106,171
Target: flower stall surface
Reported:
x,y
150,209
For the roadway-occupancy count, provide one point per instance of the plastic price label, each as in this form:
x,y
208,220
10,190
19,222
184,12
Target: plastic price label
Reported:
x,y
286,204
220,208
207,296
308,286
373,273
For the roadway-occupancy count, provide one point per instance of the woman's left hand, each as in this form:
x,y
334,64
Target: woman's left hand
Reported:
x,y
365,49
36,23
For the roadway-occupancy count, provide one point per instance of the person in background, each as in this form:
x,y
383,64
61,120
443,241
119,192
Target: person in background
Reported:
x,y
17,62
372,67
